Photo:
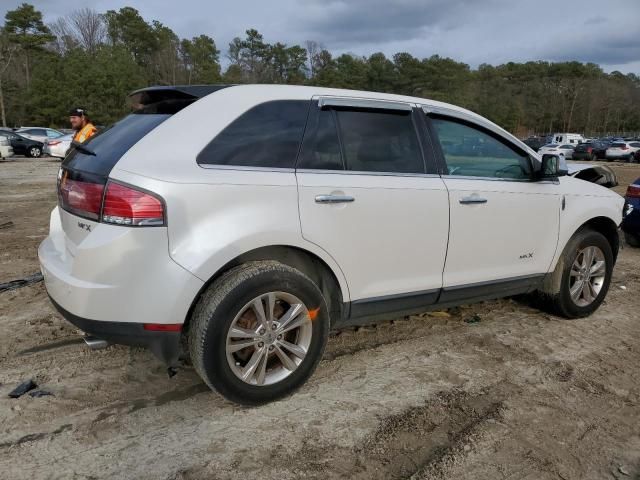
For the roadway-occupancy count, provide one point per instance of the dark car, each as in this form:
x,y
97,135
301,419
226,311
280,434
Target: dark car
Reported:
x,y
591,150
631,221
23,145
536,142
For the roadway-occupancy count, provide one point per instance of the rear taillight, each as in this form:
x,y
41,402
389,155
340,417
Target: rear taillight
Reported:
x,y
53,142
124,205
633,191
82,198
624,147
114,203
589,149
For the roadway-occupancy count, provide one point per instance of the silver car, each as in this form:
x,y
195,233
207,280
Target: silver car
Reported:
x,y
58,147
39,134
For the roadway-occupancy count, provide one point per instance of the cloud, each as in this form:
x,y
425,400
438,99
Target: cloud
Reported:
x,y
475,32
347,23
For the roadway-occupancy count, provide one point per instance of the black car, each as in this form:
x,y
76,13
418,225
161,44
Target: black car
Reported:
x,y
591,150
23,145
536,142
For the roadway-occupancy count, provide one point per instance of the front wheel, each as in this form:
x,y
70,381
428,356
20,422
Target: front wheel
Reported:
x,y
258,332
582,277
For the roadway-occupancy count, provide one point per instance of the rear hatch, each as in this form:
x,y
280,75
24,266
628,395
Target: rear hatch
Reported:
x,y
85,194
583,148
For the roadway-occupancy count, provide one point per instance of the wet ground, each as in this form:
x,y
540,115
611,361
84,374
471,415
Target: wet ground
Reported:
x,y
518,394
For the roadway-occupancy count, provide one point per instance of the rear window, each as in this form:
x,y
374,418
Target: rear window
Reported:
x,y
111,143
618,145
267,135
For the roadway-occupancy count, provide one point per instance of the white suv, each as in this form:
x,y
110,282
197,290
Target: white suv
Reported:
x,y
250,220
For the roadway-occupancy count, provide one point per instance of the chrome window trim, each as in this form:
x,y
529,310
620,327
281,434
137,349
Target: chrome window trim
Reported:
x,y
376,174
355,102
245,168
496,179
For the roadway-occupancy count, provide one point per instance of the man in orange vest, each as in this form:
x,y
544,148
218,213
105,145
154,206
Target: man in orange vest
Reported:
x,y
81,124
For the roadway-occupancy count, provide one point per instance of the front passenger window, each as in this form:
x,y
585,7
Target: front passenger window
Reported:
x,y
471,152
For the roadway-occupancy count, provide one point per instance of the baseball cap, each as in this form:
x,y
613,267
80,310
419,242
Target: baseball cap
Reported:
x,y
77,112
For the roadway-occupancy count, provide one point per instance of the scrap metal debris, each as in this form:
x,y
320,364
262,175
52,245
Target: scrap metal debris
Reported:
x,y
23,282
23,388
4,225
40,393
475,318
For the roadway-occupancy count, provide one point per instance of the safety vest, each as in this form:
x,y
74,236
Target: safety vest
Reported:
x,y
84,133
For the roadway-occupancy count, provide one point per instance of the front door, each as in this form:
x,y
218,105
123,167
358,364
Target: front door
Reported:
x,y
503,225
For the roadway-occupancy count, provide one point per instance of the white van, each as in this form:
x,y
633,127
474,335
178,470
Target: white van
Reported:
x,y
572,138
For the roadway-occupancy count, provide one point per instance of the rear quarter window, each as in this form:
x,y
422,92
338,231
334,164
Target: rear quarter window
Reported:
x,y
267,135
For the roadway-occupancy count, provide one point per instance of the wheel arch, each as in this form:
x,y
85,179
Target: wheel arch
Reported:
x,y
607,228
307,262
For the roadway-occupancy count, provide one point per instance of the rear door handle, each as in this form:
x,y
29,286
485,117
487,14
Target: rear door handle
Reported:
x,y
334,199
472,199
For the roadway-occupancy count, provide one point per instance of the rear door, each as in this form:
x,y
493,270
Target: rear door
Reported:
x,y
367,198
504,227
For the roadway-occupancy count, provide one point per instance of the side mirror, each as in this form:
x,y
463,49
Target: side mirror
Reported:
x,y
552,166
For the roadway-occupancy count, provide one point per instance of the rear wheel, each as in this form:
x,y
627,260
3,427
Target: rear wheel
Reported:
x,y
258,332
582,277
34,152
632,240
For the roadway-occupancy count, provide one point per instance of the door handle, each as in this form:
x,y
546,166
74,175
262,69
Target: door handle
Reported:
x,y
472,199
334,199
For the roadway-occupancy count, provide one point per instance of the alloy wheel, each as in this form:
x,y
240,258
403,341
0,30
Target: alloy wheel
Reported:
x,y
587,276
269,338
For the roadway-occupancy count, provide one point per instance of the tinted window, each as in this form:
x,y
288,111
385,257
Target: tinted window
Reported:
x,y
379,141
618,145
268,135
36,131
321,147
635,144
111,143
567,147
469,151
52,134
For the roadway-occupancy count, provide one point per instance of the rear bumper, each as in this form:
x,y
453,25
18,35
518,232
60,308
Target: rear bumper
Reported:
x,y
582,155
164,345
5,151
111,280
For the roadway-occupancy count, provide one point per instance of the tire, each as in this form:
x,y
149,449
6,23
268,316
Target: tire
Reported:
x,y
210,339
632,240
34,152
556,292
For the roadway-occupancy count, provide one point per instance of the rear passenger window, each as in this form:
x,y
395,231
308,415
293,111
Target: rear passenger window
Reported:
x,y
379,141
469,151
268,135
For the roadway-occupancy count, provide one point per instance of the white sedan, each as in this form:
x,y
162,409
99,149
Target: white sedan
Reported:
x,y
58,147
554,149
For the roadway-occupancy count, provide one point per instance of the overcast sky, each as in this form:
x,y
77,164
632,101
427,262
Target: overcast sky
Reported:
x,y
481,31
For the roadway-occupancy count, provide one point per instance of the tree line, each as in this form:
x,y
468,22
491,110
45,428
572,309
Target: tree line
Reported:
x,y
95,59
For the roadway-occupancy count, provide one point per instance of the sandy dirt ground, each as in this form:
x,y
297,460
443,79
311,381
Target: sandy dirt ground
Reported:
x,y
518,395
